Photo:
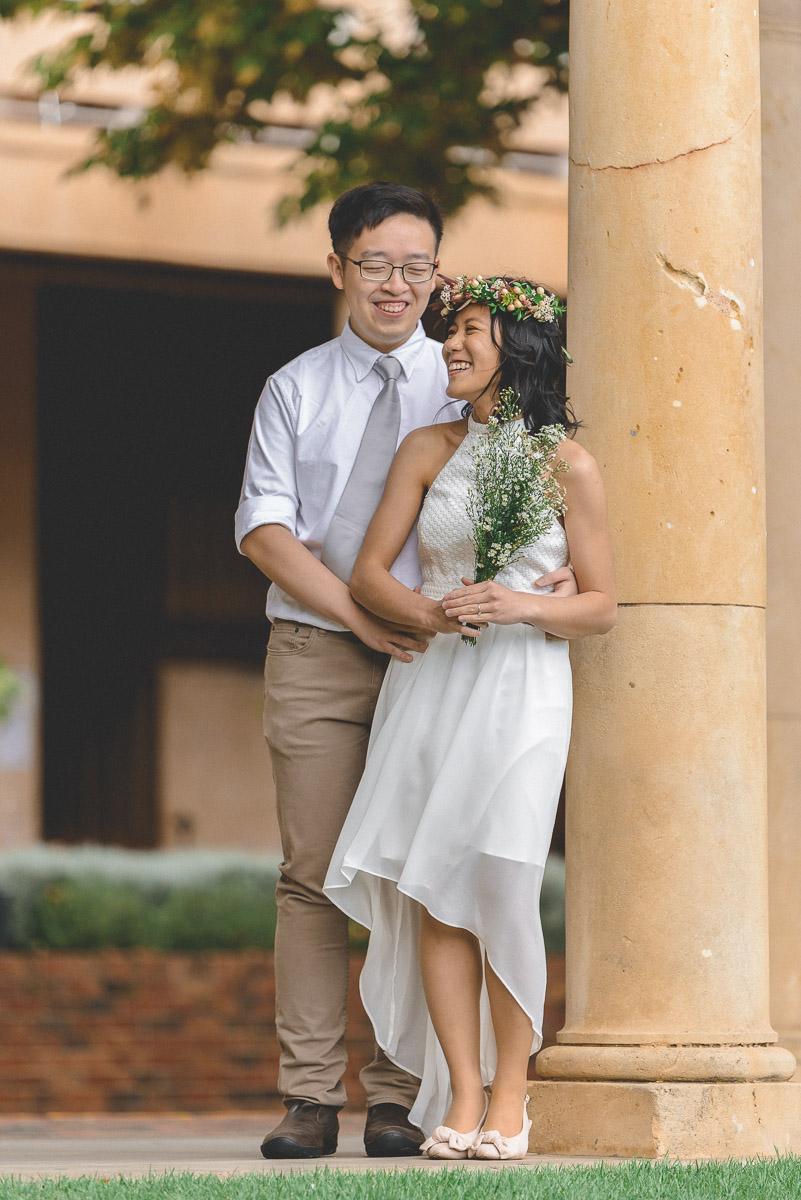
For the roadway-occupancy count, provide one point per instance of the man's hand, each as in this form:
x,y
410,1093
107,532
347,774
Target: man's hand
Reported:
x,y
388,639
563,581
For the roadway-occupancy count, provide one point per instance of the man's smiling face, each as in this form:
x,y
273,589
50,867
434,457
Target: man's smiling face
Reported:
x,y
385,314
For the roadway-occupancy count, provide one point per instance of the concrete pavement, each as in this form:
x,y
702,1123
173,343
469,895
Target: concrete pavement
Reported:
x,y
33,1147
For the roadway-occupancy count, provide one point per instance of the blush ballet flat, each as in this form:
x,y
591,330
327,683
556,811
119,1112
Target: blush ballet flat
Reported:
x,y
491,1145
449,1143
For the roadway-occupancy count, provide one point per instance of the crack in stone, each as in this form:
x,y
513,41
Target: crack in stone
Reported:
x,y
686,604
685,279
661,162
725,302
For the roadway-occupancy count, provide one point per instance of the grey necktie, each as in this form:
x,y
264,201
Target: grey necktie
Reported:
x,y
367,478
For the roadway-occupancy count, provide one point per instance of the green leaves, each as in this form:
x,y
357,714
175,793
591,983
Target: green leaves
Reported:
x,y
434,108
9,689
93,913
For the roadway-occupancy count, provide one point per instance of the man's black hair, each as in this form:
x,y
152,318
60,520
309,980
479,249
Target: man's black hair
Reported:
x,y
368,205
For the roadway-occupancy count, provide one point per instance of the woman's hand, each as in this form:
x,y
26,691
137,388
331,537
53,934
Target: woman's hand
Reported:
x,y
438,621
482,604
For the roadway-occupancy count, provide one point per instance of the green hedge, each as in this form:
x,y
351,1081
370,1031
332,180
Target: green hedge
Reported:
x,y
91,897
88,897
552,904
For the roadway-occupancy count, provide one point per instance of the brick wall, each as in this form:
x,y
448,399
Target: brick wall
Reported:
x,y
138,1030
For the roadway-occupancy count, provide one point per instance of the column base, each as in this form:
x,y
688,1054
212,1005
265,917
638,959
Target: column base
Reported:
x,y
791,1040
651,1120
650,1063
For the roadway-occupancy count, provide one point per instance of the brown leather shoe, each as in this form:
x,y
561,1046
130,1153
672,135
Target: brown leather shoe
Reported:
x,y
307,1131
388,1132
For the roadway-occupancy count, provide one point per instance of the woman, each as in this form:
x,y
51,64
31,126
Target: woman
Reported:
x,y
443,851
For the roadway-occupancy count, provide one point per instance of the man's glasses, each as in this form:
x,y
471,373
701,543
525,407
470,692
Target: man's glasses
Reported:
x,y
380,272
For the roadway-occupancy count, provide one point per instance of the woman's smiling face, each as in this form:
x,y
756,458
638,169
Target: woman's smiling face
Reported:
x,y
472,358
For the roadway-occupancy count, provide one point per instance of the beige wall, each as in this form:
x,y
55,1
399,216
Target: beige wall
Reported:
x,y
216,786
223,218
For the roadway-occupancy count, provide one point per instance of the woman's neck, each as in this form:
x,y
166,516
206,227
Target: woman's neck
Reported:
x,y
484,407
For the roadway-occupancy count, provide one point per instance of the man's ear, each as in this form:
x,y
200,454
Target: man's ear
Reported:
x,y
334,263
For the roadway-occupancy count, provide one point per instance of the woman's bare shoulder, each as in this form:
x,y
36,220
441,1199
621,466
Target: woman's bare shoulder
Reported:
x,y
583,481
579,461
424,451
434,439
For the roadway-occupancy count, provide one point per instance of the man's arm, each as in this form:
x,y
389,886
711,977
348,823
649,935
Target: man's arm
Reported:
x,y
283,559
265,526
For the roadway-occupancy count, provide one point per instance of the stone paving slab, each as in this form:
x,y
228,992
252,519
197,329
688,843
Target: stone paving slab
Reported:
x,y
219,1144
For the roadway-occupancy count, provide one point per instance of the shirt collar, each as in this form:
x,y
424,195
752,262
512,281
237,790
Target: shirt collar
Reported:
x,y
363,357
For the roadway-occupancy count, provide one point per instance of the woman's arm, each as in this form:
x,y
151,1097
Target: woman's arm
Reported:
x,y
593,610
420,457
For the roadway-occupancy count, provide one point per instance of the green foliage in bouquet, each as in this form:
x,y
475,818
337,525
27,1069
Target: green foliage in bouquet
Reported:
x,y
515,495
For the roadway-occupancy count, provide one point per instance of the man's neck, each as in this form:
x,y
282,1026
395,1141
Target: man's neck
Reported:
x,y
384,349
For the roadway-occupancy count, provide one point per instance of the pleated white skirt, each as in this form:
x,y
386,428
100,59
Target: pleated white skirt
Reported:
x,y
455,812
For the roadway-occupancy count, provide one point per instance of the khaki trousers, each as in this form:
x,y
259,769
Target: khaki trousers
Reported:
x,y
320,692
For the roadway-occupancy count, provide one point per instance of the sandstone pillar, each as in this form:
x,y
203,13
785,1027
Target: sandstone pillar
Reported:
x,y
667,1046
781,177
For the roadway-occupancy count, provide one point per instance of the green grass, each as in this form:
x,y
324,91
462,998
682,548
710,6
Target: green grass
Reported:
x,y
760,1179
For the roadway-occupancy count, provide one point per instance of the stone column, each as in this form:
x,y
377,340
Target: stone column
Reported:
x,y
781,179
667,1046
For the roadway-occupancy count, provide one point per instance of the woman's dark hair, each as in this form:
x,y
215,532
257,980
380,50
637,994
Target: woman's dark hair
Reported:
x,y
368,205
533,365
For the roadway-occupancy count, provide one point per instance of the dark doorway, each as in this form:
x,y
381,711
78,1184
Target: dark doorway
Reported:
x,y
147,383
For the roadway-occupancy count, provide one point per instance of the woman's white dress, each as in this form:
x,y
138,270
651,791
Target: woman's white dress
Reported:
x,y
456,805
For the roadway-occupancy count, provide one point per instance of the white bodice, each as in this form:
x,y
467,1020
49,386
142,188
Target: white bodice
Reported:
x,y
444,532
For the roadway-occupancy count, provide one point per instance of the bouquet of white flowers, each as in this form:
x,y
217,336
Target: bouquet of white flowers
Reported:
x,y
515,495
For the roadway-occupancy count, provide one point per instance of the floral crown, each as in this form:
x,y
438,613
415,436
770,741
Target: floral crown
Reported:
x,y
500,295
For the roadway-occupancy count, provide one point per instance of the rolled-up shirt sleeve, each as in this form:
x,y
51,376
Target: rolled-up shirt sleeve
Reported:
x,y
269,490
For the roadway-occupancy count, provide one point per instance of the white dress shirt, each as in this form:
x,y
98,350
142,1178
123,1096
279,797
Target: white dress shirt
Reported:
x,y
306,433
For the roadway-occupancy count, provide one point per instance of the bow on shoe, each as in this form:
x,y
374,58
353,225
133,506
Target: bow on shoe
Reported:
x,y
451,1138
494,1146
490,1144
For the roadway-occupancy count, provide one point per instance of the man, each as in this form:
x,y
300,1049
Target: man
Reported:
x,y
326,655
